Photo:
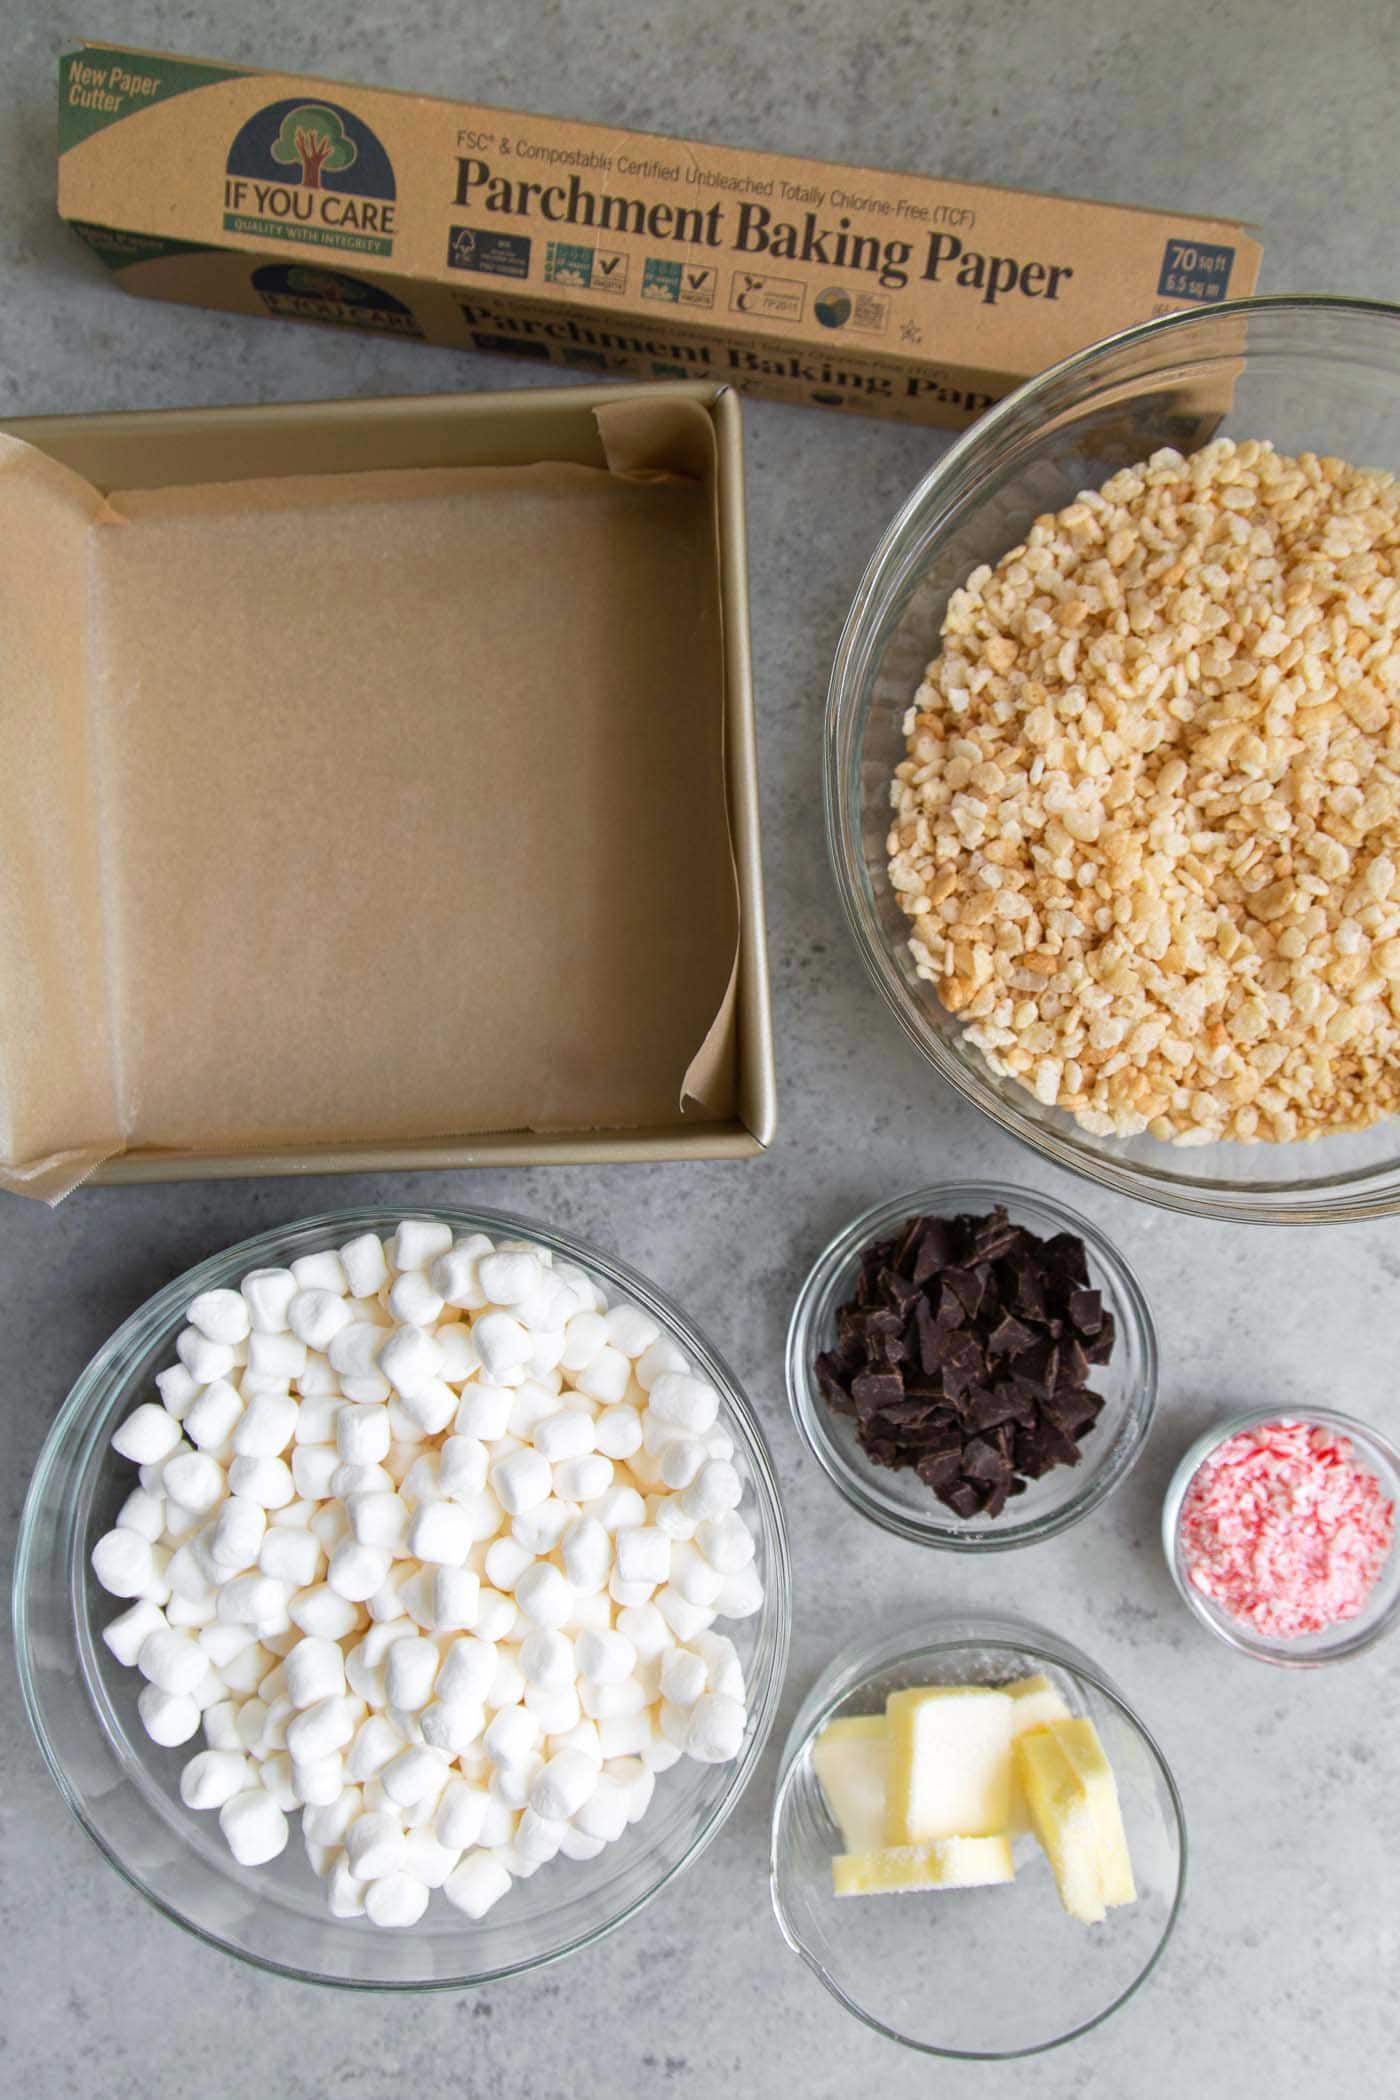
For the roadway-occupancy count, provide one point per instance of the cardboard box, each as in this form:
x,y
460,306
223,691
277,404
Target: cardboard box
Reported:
x,y
378,788
603,250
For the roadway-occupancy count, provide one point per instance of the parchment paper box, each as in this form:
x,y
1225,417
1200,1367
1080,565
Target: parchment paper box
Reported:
x,y
377,788
604,250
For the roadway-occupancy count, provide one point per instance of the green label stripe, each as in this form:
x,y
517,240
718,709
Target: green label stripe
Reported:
x,y
311,236
117,249
98,86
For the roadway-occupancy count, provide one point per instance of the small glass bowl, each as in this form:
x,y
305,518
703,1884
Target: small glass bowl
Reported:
x,y
983,1973
124,1790
900,1501
1381,1612
1311,373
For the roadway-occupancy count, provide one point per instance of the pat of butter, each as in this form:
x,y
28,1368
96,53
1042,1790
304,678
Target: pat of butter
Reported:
x,y
949,1763
851,1757
1037,1703
1073,1804
945,1863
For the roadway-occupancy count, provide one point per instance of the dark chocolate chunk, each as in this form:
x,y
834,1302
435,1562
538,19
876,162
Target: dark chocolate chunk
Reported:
x,y
873,1390
1085,1311
1100,1349
1010,1337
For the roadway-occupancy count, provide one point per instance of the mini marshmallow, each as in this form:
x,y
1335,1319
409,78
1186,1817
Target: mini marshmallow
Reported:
x,y
324,1271
348,1480
454,1274
214,1416
178,1391
356,1571
556,1709
317,1419
660,1359
186,1611
583,1479
478,1884
605,1658
566,1434
575,1845
319,1609
511,1783
509,1278
484,1411
724,1671
506,1561
169,1718
644,1627
362,1260
544,1595
266,1427
432,1405
369,1390
409,1359
466,1672
624,1594
592,1609
330,1524
460,1811
637,1781
416,1774
380,1519
540,1530
321,1729
510,1735
741,1596
221,1726
205,1361
266,1481
659,1755
502,1344
537,1837
127,1565
726,1542
327,1822
583,1737
668,1515
606,1377
441,1533
683,1677
418,1243
255,1827
242,1675
520,1480
268,1293
547,1659
412,1666
362,1435
698,1579
608,1702
604,1813
127,1634
587,1553
172,1659
144,1512
617,1508
684,1619
642,1554
451,1729
459,1358
715,1489
317,1784
376,1741
236,1537
630,1329
626,1735
315,1669
222,1316
462,1463
585,1338
427,1860
353,1350
374,1846
688,1402
617,1431
716,1729
681,1459
414,1302
495,1615
507,1686
345,1895
148,1435
563,1785
456,1599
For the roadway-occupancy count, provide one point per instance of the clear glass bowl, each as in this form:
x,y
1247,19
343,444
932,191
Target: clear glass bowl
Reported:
x,y
1311,374
991,1972
1381,1612
900,1500
124,1790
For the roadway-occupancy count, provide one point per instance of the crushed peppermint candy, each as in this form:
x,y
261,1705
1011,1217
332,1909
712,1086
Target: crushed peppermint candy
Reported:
x,y
1285,1529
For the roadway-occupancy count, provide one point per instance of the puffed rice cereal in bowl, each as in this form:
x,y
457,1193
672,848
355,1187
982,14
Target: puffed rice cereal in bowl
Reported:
x,y
1148,828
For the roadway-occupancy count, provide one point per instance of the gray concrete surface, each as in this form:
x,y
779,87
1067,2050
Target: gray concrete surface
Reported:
x,y
1280,1980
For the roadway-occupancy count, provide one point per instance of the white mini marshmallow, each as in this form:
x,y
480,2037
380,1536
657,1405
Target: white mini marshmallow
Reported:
x,y
688,1402
254,1826
510,1735
429,1861
630,1329
221,1726
242,1675
356,1571
441,1534
126,1635
698,1579
724,1671
412,1666
626,1735
433,1405
667,1514
507,1686
502,1344
484,1411
582,1479
509,1278
321,1729
266,1427
659,1755
537,1837
345,1895
169,1718
606,1377
511,1783
586,1549
585,1337
607,1702
222,1316
684,1619
715,1489
617,1508
681,1459
593,1609
204,1360
268,1293
326,1822
716,1729
566,1434
414,1302
178,1391
375,1743
184,1611
380,1519
658,1360
371,1390
547,1659
409,1360
196,1480
148,1435
642,1554
478,1884
324,1271
741,1596
418,1243
617,1431
683,1677
451,1729
374,1845
318,1609
127,1565
520,1480
544,1595
462,1464
458,1353
317,1419
575,1845
604,1813
353,1351
236,1537
214,1416
506,1562
645,1628
348,1480
172,1659
460,1811
726,1542
606,1658
416,1774
466,1672
315,1669
319,1783
556,1709
454,1274
329,1523
624,1594
266,1481
366,1270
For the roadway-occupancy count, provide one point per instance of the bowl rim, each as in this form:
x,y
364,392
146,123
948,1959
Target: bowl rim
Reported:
x,y
1337,1200
1234,1635
157,1308
858,1661
805,1402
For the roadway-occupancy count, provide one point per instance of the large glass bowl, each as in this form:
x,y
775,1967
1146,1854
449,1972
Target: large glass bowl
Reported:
x,y
1312,374
989,1972
124,1790
899,1500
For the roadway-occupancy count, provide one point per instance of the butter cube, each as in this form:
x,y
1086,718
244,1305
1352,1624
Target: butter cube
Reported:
x,y
851,1758
949,1763
945,1863
1037,1703
1073,1806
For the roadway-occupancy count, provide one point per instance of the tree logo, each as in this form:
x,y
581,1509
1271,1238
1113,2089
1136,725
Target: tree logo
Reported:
x,y
310,172
313,139
303,292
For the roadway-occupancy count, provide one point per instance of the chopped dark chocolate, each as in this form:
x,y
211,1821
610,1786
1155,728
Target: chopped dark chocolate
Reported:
x,y
965,1354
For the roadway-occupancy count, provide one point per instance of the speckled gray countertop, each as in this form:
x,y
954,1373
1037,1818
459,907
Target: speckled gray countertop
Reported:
x,y
1281,1978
